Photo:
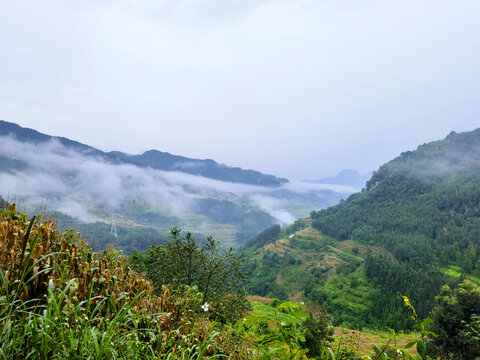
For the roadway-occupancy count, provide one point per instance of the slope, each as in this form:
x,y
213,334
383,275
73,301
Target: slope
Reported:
x,y
152,158
300,263
420,211
154,190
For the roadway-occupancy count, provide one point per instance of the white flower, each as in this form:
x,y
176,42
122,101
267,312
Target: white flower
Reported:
x,y
399,352
302,303
205,307
283,324
244,319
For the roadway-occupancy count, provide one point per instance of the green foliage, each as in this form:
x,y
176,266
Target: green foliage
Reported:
x,y
455,321
318,334
285,335
145,215
61,300
295,265
266,236
296,226
289,307
348,297
424,209
183,261
400,278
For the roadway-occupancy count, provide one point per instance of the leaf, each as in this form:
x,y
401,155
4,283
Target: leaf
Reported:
x,y
427,321
421,349
331,353
410,344
301,354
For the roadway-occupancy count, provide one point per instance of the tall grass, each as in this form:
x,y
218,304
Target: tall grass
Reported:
x,y
60,300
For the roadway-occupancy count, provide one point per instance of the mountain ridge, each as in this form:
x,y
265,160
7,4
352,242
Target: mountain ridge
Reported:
x,y
153,189
423,213
152,158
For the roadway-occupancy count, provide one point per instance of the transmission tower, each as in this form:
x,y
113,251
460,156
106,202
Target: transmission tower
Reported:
x,y
113,228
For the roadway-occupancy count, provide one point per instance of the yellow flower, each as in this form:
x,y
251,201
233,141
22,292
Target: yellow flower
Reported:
x,y
410,307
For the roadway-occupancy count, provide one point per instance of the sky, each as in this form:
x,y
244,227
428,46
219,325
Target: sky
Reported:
x,y
295,88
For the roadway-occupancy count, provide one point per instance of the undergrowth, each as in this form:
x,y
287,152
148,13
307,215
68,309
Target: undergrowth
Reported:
x,y
59,299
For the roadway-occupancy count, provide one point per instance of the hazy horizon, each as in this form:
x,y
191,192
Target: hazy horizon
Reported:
x,y
298,89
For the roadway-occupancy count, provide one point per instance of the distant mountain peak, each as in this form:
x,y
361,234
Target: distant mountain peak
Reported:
x,y
347,177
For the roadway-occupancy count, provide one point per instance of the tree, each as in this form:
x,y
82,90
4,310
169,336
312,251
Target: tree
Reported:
x,y
456,322
318,334
183,261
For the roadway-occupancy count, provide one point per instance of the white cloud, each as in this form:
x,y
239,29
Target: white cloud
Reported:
x,y
71,182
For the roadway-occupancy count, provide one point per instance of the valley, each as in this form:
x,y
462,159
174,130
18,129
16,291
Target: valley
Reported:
x,y
410,236
86,188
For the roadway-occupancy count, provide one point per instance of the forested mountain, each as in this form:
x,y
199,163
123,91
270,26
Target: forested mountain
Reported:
x,y
147,193
416,226
152,158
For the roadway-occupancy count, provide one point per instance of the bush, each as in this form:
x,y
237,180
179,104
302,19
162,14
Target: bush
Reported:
x,y
455,321
59,299
318,334
184,262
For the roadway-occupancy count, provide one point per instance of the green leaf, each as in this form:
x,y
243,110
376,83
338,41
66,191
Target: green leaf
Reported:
x,y
331,353
421,349
410,344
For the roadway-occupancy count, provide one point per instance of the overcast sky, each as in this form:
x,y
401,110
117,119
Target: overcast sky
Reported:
x,y
296,88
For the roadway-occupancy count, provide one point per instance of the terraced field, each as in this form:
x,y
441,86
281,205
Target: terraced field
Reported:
x,y
307,266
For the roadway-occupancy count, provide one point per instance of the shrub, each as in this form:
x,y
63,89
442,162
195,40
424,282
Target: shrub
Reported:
x,y
59,299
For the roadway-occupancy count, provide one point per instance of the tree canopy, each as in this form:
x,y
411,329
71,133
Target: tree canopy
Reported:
x,y
185,262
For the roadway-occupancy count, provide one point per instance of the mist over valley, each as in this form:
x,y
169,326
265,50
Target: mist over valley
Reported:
x,y
57,174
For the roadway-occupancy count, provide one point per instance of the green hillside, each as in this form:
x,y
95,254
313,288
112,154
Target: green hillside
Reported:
x,y
415,227
304,265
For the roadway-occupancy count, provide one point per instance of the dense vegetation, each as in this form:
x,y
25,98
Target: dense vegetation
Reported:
x,y
424,209
185,263
100,237
59,299
300,263
413,229
403,253
265,237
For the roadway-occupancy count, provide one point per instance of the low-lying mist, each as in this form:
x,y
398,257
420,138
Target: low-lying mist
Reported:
x,y
64,180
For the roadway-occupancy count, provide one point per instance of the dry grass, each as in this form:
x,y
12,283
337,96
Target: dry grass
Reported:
x,y
34,258
310,233
362,342
259,299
